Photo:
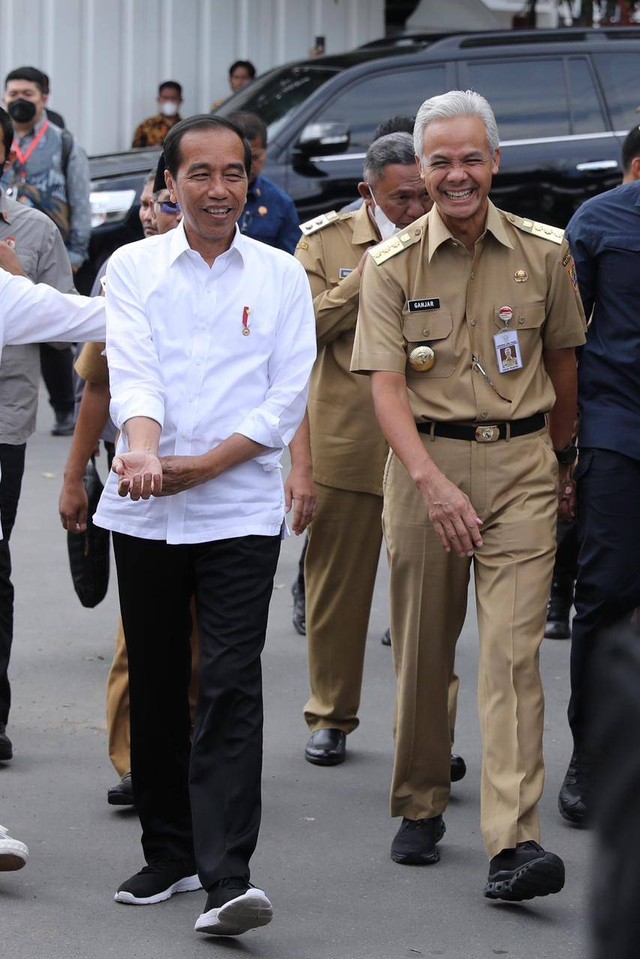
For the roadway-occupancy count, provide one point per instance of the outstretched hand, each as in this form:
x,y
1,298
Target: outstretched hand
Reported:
x,y
140,475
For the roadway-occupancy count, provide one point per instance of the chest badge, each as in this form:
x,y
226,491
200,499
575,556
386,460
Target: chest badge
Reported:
x,y
246,313
262,210
521,276
422,358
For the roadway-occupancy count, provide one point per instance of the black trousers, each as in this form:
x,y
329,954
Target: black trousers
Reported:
x,y
56,367
608,583
12,466
204,798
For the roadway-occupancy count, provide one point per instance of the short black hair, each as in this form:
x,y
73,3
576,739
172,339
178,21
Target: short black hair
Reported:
x,y
246,64
252,126
32,74
158,178
630,148
201,121
170,85
397,124
6,126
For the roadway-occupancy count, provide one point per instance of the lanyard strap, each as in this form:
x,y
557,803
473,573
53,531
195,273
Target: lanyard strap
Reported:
x,y
23,158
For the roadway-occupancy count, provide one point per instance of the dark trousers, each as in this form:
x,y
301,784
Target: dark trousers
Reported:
x,y
56,367
608,583
566,565
614,685
202,798
12,466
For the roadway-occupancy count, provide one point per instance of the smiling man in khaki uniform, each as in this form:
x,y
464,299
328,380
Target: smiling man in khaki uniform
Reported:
x,y
473,476
348,448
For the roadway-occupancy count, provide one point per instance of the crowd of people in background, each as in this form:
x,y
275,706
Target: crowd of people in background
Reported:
x,y
442,416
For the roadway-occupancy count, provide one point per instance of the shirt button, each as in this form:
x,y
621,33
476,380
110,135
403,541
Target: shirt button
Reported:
x,y
471,276
483,414
472,321
425,332
521,320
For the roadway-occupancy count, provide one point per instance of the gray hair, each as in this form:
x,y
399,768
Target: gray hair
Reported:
x,y
447,106
392,148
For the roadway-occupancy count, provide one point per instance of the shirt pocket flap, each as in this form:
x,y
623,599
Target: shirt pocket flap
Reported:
x,y
427,326
526,316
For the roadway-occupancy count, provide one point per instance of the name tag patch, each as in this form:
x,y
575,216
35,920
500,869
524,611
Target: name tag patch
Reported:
x,y
419,306
344,272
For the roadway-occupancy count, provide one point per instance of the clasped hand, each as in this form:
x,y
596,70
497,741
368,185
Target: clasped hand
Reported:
x,y
144,474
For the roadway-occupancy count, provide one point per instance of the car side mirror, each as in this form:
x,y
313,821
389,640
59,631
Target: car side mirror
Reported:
x,y
322,139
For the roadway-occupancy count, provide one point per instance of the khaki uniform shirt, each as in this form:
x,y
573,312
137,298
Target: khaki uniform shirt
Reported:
x,y
347,445
435,292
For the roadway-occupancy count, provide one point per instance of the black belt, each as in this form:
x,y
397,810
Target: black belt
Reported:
x,y
485,432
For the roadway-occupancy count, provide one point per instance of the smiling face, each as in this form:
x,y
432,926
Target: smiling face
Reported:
x,y
399,192
457,168
211,187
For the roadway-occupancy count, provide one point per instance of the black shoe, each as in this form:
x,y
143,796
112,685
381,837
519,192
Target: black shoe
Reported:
x,y
386,638
559,608
64,425
414,844
234,906
157,882
458,768
326,747
523,873
6,748
299,610
572,801
122,794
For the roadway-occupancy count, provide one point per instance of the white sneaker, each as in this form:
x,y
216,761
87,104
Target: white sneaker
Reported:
x,y
13,854
248,910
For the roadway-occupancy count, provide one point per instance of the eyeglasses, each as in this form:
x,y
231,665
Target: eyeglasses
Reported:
x,y
167,206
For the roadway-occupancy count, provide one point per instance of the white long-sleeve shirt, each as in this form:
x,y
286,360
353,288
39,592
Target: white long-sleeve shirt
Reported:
x,y
36,313
208,352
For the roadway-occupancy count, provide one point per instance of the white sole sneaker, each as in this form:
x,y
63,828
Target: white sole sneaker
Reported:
x,y
187,884
248,911
13,855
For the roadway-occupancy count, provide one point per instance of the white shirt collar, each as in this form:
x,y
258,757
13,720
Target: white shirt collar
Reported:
x,y
179,244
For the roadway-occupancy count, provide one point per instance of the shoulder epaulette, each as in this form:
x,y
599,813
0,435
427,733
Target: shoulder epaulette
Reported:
x,y
543,230
395,244
318,223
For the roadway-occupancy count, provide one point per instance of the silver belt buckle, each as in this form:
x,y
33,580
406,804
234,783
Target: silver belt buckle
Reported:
x,y
487,434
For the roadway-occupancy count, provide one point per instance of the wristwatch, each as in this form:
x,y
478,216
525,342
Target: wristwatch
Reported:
x,y
567,456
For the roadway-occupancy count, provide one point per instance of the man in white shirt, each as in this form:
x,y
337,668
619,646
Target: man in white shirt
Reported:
x,y
210,342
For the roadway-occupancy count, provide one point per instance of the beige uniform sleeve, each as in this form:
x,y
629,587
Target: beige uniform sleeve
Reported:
x,y
335,305
91,365
565,322
379,342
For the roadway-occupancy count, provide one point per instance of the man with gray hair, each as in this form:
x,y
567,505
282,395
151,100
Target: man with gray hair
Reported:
x,y
472,476
348,449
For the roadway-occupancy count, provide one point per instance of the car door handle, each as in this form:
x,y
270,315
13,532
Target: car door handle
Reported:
x,y
597,165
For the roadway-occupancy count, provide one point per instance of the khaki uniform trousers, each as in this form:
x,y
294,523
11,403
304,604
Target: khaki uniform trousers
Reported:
x,y
118,730
340,574
513,487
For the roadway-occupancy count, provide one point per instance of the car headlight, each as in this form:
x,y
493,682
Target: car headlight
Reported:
x,y
110,206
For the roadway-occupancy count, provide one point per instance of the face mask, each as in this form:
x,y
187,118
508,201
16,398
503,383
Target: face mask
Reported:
x,y
22,111
386,227
168,108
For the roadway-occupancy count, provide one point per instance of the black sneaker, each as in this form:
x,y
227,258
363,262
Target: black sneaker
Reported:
x,y
458,768
6,749
572,799
523,873
122,793
414,844
157,882
234,906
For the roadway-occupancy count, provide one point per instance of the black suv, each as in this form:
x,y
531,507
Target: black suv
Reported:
x,y
564,100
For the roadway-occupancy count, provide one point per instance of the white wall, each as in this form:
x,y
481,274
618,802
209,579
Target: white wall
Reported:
x,y
105,58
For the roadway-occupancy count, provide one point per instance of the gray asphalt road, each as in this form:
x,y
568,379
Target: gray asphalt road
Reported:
x,y
323,853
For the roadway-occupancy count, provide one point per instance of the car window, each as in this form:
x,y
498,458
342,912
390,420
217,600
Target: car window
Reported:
x,y
364,105
586,110
619,75
278,94
529,97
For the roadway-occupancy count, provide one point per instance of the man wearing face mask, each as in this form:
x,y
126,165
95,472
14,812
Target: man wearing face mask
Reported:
x,y
348,449
152,131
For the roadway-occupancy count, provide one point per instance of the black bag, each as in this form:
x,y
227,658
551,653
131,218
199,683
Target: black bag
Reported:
x,y
89,551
